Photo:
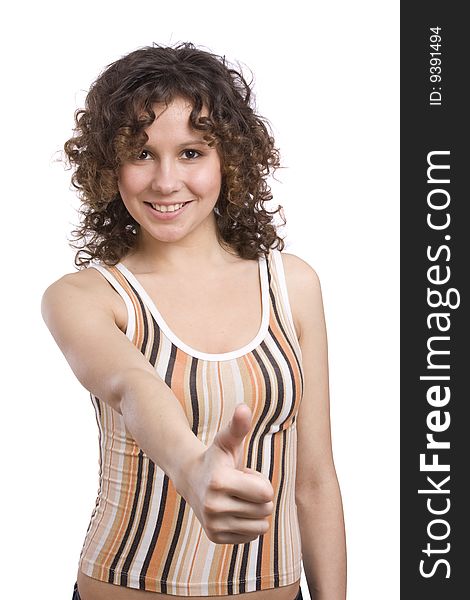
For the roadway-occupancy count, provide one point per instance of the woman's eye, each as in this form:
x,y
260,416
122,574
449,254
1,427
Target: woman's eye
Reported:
x,y
191,153
143,155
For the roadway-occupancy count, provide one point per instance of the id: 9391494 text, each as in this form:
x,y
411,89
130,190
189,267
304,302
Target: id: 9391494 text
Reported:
x,y
435,66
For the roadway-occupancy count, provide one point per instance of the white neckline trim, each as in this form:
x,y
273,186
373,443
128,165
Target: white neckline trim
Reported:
x,y
262,332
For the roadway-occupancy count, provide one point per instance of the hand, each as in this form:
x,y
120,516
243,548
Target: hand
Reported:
x,y
231,502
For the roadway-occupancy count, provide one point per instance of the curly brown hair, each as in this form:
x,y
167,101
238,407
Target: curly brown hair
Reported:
x,y
111,129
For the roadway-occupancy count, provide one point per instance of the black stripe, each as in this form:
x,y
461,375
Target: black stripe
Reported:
x,y
145,312
156,341
232,569
259,559
276,516
279,406
269,397
144,316
156,533
286,337
129,524
262,437
279,322
271,464
171,365
244,565
143,517
97,404
267,404
174,543
292,378
193,394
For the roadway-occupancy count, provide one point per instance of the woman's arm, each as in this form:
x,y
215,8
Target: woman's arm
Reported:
x,y
114,370
318,496
231,504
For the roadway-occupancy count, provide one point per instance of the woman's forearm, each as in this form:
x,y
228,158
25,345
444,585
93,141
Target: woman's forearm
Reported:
x,y
320,514
158,424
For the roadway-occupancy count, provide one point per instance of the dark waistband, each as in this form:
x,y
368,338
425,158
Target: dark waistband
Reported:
x,y
76,595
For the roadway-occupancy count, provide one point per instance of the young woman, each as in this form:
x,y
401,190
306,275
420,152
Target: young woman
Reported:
x,y
202,344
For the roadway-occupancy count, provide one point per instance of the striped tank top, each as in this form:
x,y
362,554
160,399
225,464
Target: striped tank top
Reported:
x,y
142,533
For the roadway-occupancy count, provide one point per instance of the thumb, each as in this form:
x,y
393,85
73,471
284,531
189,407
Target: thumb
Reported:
x,y
231,437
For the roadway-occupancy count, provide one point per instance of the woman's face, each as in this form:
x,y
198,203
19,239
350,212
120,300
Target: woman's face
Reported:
x,y
175,166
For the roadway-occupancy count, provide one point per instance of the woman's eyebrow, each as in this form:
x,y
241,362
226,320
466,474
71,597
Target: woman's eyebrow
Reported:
x,y
188,143
195,142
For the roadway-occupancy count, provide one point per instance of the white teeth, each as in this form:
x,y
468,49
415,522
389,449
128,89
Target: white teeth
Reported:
x,y
170,208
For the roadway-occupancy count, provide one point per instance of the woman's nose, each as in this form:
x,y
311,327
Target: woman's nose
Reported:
x,y
166,178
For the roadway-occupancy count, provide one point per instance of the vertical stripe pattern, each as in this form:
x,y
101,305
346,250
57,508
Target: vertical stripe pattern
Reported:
x,y
142,533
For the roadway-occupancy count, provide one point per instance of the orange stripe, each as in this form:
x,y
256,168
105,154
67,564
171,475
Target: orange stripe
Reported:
x,y
157,562
191,568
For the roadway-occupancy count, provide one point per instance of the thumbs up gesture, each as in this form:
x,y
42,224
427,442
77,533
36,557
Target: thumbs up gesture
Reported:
x,y
231,502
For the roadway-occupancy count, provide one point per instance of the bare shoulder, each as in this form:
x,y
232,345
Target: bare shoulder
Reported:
x,y
304,289
298,270
89,284
88,281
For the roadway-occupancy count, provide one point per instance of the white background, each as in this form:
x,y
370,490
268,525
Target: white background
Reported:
x,y
327,80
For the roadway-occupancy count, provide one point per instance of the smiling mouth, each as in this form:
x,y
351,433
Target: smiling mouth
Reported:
x,y
154,206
